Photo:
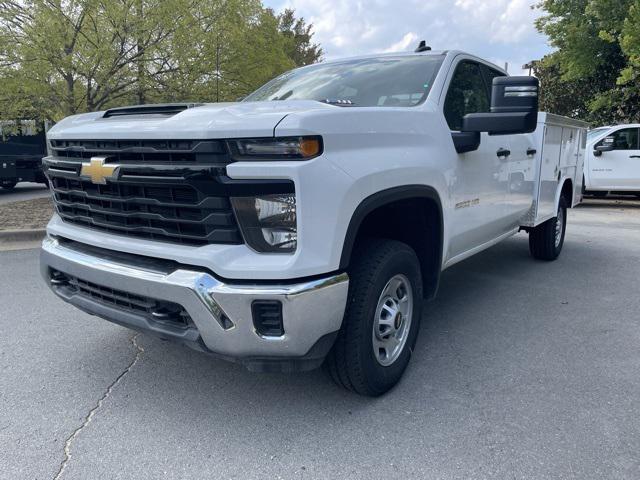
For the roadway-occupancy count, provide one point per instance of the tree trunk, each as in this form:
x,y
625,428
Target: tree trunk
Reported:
x,y
140,61
70,107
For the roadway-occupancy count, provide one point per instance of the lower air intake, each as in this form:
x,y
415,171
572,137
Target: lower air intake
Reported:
x,y
267,317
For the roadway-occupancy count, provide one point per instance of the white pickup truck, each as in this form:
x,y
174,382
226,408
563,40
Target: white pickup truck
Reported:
x,y
612,163
307,223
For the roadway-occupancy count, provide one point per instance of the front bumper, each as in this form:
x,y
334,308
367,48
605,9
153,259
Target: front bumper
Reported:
x,y
221,313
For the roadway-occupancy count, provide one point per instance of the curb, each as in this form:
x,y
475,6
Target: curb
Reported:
x,y
7,236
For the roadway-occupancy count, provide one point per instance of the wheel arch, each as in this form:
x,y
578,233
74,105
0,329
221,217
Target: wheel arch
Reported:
x,y
431,217
565,190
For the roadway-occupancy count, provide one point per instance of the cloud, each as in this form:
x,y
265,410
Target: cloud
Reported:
x,y
499,29
409,39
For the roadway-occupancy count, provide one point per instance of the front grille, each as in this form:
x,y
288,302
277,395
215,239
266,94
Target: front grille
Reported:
x,y
177,213
145,151
172,191
155,310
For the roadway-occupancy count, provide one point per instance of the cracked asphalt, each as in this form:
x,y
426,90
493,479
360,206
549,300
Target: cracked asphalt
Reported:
x,y
523,369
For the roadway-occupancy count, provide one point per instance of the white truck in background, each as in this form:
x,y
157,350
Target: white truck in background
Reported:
x,y
612,161
307,223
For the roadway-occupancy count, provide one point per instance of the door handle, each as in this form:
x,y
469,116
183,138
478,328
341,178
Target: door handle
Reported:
x,y
503,153
634,156
531,152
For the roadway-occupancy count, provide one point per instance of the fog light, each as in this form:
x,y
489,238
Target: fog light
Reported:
x,y
268,223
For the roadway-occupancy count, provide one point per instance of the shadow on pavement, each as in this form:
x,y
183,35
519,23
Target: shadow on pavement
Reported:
x,y
611,201
23,189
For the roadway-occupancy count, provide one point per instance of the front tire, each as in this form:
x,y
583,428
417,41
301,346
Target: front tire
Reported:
x,y
546,240
9,186
382,318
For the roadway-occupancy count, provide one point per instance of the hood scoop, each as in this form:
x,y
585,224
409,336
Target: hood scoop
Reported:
x,y
163,109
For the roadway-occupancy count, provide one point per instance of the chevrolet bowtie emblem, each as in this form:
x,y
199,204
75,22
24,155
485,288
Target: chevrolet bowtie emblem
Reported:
x,y
97,171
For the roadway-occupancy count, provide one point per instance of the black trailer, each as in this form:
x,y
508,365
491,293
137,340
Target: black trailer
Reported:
x,y
22,146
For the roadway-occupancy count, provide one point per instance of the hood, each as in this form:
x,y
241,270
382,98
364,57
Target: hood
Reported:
x,y
208,121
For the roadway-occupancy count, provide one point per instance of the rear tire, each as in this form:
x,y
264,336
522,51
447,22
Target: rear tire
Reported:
x,y
546,240
382,318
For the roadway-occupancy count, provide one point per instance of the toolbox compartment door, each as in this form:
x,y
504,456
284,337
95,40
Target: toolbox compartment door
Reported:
x,y
549,173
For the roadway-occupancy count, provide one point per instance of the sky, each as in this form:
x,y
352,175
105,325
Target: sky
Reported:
x,y
497,30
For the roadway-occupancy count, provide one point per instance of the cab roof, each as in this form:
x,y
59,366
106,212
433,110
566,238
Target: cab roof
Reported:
x,y
429,53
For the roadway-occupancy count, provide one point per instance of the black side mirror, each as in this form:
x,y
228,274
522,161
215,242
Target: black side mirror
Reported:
x,y
608,144
514,108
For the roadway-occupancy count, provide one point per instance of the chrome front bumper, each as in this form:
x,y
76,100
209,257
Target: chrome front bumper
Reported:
x,y
312,311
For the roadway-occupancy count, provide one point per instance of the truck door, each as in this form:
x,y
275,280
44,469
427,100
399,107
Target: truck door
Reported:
x,y
618,169
520,167
480,177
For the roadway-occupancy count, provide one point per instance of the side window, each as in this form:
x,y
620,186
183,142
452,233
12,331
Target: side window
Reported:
x,y
491,74
625,139
467,94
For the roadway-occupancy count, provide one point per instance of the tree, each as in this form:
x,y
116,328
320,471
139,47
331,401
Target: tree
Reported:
x,y
60,57
593,74
228,49
571,97
299,35
80,55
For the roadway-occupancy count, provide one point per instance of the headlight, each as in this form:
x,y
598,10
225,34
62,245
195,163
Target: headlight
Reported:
x,y
268,223
284,148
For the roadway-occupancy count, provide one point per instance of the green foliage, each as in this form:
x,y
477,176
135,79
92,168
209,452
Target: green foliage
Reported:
x,y
299,39
60,57
594,72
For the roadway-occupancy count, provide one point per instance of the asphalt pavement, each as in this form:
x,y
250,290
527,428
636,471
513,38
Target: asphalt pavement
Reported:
x,y
24,191
523,370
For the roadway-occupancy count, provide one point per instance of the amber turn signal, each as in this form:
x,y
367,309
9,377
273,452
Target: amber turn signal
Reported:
x,y
310,147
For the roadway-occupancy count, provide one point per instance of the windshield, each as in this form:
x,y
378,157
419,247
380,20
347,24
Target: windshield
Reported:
x,y
591,134
402,81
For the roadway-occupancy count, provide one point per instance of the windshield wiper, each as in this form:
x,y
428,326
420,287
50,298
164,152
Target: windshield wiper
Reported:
x,y
284,96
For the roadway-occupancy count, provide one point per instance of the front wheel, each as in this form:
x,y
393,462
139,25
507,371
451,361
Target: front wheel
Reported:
x,y
546,240
382,318
9,186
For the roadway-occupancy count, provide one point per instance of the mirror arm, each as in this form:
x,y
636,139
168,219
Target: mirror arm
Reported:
x,y
466,141
508,123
